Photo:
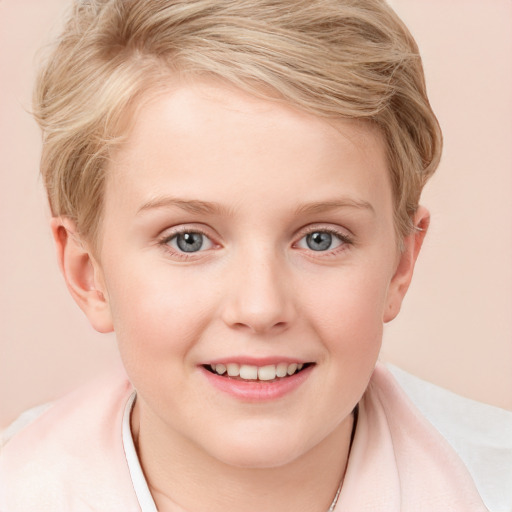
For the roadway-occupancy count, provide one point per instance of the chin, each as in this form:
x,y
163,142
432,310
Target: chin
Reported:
x,y
259,450
259,458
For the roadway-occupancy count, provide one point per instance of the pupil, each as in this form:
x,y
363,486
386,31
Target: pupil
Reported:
x,y
190,242
319,241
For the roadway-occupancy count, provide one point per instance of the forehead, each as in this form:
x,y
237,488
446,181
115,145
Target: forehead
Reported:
x,y
208,141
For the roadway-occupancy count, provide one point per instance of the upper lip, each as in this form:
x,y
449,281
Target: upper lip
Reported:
x,y
256,361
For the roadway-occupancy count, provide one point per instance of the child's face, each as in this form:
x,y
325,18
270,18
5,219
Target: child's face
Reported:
x,y
241,231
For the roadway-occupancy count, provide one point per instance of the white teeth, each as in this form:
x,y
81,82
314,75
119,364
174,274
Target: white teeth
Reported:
x,y
282,370
250,372
233,369
219,368
292,368
267,372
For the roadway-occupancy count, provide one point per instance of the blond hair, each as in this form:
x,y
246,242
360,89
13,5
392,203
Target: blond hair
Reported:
x,y
333,58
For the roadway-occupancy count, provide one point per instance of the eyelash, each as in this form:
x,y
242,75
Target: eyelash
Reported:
x,y
342,236
164,242
346,239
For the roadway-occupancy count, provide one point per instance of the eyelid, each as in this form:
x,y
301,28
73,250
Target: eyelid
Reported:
x,y
343,235
169,234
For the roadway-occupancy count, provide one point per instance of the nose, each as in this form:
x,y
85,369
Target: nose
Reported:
x,y
259,298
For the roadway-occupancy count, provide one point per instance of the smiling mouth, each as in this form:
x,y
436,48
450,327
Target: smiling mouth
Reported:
x,y
267,373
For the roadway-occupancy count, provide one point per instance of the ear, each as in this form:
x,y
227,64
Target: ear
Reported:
x,y
405,268
82,274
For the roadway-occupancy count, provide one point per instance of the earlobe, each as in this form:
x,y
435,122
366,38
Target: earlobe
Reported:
x,y
82,274
405,268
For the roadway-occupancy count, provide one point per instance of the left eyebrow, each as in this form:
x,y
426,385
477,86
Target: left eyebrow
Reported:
x,y
326,206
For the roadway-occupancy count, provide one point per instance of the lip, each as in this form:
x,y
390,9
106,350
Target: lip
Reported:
x,y
255,361
255,390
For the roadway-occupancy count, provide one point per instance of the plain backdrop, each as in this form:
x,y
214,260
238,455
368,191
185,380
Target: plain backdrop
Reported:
x,y
455,328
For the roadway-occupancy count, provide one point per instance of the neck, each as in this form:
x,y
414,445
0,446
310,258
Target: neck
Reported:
x,y
183,478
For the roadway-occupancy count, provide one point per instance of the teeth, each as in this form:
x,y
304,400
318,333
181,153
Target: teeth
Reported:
x,y
267,372
233,369
219,368
292,369
250,372
282,370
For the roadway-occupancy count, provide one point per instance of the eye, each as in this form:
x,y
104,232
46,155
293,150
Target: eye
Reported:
x,y
189,241
322,241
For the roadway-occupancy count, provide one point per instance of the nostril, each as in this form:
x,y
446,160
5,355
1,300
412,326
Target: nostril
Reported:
x,y
279,327
240,325
262,327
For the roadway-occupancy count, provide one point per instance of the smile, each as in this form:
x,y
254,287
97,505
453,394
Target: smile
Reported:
x,y
262,373
257,382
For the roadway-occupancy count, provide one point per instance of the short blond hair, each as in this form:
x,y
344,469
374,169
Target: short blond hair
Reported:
x,y
334,58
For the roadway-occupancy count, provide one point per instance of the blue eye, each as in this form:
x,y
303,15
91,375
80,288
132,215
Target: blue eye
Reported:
x,y
321,241
190,241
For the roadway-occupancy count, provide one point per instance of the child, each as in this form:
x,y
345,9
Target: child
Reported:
x,y
234,188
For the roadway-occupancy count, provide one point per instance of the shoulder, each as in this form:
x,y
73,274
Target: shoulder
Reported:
x,y
71,456
398,457
479,433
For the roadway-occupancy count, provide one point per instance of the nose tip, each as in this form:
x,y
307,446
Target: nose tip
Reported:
x,y
256,326
260,301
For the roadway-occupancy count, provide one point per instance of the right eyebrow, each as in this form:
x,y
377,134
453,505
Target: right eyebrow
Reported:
x,y
188,205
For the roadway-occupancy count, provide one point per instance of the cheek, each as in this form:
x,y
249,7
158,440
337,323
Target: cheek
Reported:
x,y
157,311
351,310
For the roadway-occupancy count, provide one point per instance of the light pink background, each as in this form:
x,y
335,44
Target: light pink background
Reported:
x,y
455,328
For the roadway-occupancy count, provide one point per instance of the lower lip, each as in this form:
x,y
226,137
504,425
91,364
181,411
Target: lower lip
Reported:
x,y
256,390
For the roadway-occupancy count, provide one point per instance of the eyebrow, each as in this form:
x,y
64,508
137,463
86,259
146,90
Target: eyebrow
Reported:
x,y
188,205
208,207
326,206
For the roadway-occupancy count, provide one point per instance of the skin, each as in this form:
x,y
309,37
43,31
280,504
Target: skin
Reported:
x,y
255,177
